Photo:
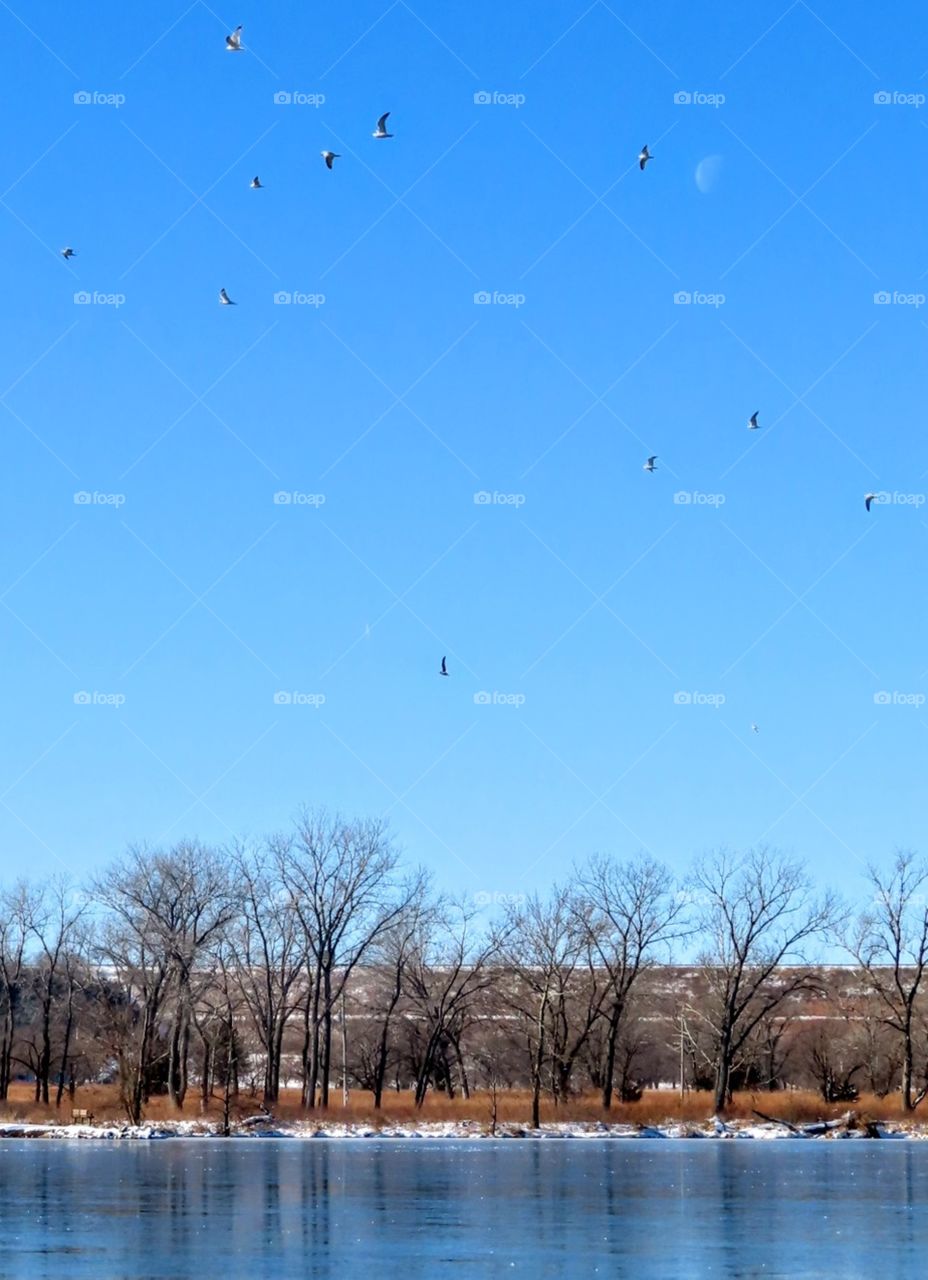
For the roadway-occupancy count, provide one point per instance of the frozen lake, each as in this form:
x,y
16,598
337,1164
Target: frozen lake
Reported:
x,y
394,1210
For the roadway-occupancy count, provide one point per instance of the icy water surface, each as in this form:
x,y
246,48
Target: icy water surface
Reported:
x,y
395,1210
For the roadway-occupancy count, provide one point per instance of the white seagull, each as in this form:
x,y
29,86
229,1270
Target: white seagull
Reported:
x,y
67,253
329,157
381,130
870,497
444,669
256,183
754,728
225,299
644,155
649,465
234,41
753,424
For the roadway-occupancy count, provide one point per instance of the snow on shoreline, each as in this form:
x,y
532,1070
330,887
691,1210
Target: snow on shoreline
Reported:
x,y
466,1129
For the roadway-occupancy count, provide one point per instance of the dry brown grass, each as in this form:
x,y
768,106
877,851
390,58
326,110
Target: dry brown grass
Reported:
x,y
513,1108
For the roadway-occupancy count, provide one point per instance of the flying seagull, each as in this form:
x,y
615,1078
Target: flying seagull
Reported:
x,y
381,130
329,156
444,669
67,253
225,299
255,183
649,465
234,41
644,155
870,497
754,728
753,424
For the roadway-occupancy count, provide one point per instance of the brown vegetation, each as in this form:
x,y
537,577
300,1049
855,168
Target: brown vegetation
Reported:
x,y
657,1106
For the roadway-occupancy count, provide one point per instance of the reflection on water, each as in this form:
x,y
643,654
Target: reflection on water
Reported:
x,y
399,1210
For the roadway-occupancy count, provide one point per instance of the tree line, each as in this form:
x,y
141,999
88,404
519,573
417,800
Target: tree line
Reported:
x,y
315,959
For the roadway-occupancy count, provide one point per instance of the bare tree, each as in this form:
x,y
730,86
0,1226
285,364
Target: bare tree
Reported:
x,y
269,951
390,956
542,952
53,923
890,943
755,913
341,879
15,914
628,912
448,967
134,955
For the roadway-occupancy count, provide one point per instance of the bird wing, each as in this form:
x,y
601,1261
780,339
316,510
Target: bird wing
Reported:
x,y
382,122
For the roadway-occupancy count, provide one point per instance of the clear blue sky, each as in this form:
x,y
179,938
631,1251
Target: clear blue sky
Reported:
x,y
198,598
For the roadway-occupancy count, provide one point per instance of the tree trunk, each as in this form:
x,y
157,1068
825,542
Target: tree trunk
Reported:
x,y
313,1029
206,1084
66,1049
907,1071
326,1039
723,1074
612,1036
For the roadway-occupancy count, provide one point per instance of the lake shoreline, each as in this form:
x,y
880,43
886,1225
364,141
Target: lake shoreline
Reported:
x,y
711,1130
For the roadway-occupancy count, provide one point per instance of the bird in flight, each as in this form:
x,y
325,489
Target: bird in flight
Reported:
x,y
644,155
381,130
754,728
256,184
753,424
329,157
67,253
234,41
225,299
649,465
444,668
870,497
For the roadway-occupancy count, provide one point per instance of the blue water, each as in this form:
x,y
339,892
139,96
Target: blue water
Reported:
x,y
394,1210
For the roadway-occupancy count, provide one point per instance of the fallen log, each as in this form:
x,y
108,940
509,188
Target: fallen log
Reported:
x,y
814,1130
776,1120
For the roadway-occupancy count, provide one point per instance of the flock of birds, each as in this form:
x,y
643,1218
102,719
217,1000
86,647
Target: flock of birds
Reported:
x,y
234,45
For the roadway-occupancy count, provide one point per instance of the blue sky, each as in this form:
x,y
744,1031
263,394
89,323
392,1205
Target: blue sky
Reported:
x,y
588,600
